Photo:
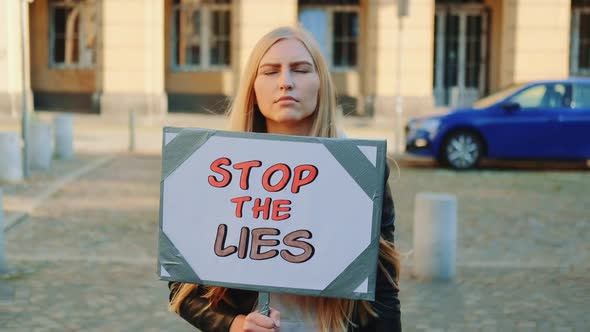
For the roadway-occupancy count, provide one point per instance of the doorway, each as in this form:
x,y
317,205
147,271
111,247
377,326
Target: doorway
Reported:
x,y
460,54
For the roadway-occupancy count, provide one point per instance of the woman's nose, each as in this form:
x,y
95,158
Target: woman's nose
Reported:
x,y
286,81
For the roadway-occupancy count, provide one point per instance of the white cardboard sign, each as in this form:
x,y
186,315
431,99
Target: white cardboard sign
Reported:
x,y
271,213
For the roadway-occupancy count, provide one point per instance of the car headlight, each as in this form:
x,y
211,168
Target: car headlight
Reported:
x,y
429,125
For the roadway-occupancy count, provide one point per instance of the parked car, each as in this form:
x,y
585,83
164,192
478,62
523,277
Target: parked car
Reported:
x,y
537,120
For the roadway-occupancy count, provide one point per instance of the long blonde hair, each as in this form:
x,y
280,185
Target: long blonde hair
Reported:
x,y
333,314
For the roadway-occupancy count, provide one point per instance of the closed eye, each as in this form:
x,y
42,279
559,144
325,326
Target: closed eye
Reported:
x,y
302,68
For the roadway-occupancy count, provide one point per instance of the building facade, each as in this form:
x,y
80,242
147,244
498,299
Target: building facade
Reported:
x,y
158,56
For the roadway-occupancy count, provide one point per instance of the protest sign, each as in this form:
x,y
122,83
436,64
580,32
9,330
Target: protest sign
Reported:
x,y
274,213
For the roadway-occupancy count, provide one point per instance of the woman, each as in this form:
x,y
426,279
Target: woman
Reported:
x,y
287,89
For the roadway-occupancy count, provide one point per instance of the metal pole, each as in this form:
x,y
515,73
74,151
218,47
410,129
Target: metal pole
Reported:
x,y
399,100
3,266
25,108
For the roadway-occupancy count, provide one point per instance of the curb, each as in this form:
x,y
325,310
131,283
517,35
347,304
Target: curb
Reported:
x,y
18,217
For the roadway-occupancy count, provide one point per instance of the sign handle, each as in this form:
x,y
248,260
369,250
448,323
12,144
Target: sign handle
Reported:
x,y
264,303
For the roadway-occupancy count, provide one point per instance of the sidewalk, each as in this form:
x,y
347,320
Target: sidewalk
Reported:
x,y
21,199
94,133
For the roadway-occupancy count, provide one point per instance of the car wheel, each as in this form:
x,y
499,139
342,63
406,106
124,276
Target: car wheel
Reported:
x,y
462,150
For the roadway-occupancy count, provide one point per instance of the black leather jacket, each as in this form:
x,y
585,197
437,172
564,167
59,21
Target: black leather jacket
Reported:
x,y
243,302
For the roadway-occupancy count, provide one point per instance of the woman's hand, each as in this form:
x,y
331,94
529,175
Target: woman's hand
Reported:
x,y
257,322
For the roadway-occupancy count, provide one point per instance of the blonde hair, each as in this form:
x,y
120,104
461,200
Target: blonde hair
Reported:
x,y
333,314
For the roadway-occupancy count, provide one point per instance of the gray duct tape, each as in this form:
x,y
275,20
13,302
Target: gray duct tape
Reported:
x,y
363,267
356,164
181,147
174,130
174,263
273,137
159,267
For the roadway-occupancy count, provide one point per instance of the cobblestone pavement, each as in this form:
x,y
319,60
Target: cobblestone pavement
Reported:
x,y
84,260
86,256
523,256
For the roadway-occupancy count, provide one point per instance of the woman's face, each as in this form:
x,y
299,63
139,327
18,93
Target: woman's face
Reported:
x,y
287,85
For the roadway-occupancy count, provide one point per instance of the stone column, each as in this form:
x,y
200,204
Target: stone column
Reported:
x,y
11,80
250,25
535,40
131,58
417,54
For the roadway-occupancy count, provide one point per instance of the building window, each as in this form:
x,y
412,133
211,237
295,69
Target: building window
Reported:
x,y
201,34
72,33
580,39
345,39
335,25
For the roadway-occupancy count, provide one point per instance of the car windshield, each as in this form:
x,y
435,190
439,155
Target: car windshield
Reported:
x,y
497,96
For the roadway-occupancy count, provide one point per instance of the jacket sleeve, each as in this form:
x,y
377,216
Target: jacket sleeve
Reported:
x,y
387,210
218,319
386,304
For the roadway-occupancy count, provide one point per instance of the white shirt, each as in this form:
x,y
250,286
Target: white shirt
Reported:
x,y
293,318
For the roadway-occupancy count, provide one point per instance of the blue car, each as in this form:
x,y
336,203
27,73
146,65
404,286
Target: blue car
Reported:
x,y
537,120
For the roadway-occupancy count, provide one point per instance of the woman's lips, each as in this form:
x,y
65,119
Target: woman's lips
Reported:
x,y
286,99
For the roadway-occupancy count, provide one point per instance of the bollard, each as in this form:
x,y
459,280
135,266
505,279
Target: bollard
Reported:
x,y
40,151
132,131
3,267
63,133
435,236
11,169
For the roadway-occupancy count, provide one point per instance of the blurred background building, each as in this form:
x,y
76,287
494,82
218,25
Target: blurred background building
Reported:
x,y
158,56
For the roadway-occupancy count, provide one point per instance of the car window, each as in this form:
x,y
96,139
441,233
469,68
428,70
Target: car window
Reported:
x,y
531,97
557,96
544,96
581,96
497,96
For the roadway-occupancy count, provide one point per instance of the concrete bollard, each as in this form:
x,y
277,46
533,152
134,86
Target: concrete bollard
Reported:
x,y
132,131
40,149
3,267
435,236
64,136
11,167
